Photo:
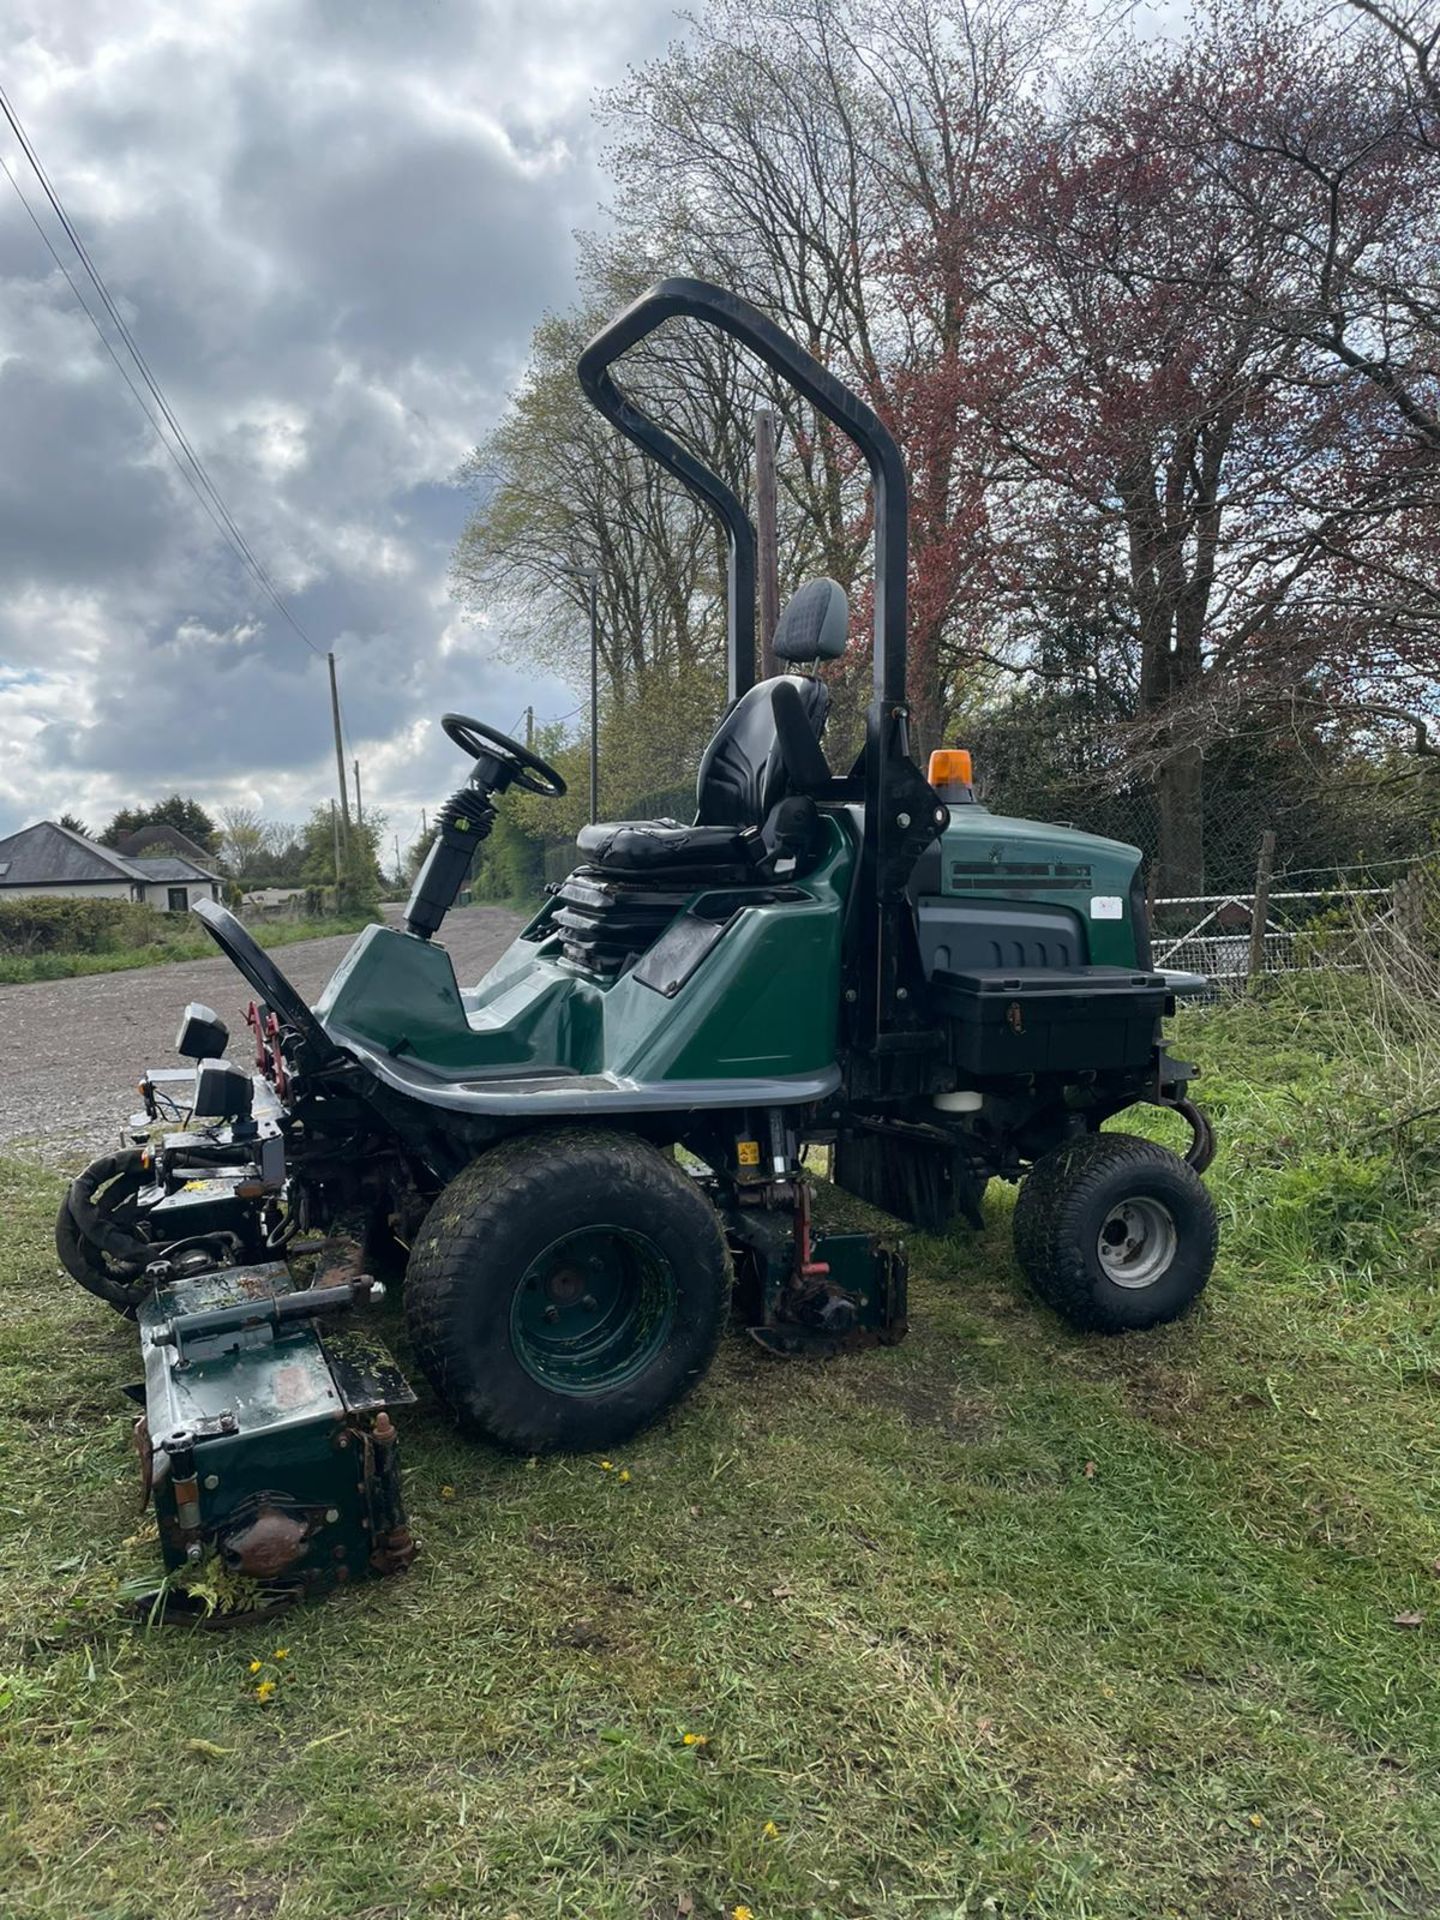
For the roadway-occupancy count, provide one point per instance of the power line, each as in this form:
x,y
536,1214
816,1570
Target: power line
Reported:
x,y
140,401
201,473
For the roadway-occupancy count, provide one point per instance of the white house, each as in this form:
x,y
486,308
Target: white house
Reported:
x,y
50,860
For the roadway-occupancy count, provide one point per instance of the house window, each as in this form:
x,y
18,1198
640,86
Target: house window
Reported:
x,y
179,900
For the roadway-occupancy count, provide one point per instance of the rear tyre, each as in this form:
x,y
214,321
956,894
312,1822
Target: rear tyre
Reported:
x,y
566,1290
1115,1233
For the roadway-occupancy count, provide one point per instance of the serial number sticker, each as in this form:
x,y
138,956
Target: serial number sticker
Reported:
x,y
1107,906
749,1153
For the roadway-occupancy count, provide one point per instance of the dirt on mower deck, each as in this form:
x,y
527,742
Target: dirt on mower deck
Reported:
x,y
71,1050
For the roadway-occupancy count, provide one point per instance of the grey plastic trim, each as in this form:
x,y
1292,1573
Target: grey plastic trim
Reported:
x,y
1185,986
589,1093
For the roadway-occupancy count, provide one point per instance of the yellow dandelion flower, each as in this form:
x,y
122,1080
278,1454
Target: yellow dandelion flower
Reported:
x,y
254,1666
623,1476
281,1653
770,1831
607,1466
1257,1819
697,1739
742,1913
264,1691
447,1493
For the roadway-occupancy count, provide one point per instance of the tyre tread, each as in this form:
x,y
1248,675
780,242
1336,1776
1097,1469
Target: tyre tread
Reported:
x,y
1050,1254
504,1186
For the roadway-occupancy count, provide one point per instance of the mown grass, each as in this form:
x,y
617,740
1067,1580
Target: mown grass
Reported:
x,y
1002,1621
187,941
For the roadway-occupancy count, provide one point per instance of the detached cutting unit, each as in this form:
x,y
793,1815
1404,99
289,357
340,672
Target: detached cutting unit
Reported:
x,y
864,960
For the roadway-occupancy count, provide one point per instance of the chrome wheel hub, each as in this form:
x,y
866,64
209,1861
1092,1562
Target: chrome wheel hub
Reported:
x,y
1137,1242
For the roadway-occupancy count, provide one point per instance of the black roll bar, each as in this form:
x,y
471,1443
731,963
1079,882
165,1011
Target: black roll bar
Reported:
x,y
698,300
902,812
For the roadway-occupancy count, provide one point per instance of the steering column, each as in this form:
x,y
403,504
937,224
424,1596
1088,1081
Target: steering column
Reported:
x,y
467,816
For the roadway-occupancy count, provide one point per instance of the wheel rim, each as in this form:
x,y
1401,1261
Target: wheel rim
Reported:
x,y
592,1310
1137,1242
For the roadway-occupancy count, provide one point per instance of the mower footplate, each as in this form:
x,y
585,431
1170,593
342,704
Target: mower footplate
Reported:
x,y
267,1439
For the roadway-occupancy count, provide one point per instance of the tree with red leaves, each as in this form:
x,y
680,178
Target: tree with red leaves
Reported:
x,y
1187,467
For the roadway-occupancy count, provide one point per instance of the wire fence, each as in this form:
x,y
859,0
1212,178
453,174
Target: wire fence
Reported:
x,y
1233,938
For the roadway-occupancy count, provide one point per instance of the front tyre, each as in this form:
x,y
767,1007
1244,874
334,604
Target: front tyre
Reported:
x,y
1116,1233
566,1290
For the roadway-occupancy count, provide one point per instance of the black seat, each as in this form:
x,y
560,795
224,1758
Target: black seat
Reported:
x,y
752,812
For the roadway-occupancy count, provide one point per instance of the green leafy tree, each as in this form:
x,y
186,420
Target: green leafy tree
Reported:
x,y
359,882
244,843
74,823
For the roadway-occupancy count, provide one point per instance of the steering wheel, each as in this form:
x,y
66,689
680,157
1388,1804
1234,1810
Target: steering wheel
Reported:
x,y
526,769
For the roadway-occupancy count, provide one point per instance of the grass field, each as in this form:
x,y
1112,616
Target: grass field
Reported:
x,y
1002,1621
187,940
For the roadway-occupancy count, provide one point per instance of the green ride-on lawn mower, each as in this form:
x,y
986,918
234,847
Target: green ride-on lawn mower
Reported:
x,y
863,961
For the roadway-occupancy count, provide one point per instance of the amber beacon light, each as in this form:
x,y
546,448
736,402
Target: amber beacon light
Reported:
x,y
950,773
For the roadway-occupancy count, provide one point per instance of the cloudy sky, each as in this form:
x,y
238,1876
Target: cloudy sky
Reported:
x,y
331,225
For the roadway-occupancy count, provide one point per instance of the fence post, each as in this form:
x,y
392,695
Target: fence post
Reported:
x,y
1260,907
1409,910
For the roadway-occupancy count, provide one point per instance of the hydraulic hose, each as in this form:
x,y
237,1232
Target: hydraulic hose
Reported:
x,y
85,1239
1201,1150
91,1220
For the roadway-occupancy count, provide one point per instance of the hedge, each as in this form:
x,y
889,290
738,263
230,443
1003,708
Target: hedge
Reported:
x,y
40,925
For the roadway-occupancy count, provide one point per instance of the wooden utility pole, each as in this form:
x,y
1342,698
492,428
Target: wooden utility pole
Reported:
x,y
359,810
335,828
530,728
339,748
767,537
1260,909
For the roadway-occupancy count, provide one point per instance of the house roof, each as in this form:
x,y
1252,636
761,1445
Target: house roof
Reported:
x,y
49,855
167,868
159,839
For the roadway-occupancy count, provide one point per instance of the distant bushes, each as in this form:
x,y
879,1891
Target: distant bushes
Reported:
x,y
57,939
39,925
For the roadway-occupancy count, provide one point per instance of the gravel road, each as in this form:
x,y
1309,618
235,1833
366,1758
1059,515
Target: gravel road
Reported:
x,y
71,1050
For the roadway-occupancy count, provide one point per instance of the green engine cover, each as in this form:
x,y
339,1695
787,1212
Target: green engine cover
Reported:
x,y
269,1443
1002,892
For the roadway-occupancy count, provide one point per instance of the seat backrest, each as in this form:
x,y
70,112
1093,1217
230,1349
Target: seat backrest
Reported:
x,y
746,769
768,745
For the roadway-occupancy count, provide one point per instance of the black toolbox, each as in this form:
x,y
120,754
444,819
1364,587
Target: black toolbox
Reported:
x,y
1050,1019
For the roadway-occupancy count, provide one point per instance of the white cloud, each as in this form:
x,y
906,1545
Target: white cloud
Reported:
x,y
331,227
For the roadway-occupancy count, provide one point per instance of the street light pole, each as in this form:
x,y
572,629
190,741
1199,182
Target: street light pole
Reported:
x,y
591,577
594,696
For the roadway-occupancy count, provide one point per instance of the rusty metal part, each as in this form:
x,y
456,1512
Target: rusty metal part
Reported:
x,y
807,1267
394,1551
339,1261
145,1448
272,1542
